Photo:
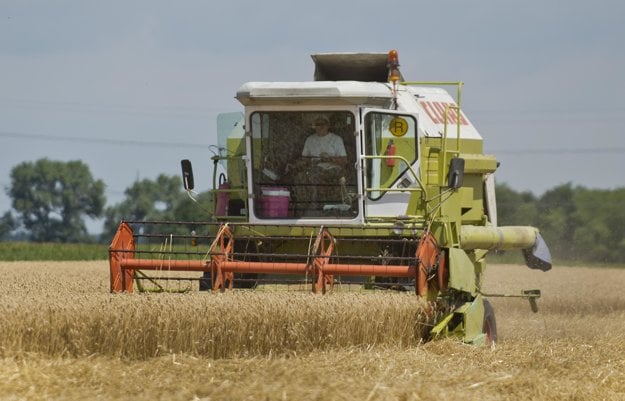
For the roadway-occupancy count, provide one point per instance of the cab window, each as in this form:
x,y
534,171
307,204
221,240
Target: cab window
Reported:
x,y
303,164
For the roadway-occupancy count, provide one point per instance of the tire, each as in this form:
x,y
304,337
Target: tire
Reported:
x,y
489,327
250,281
206,282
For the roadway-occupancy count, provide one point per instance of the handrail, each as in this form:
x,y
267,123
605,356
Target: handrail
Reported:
x,y
443,163
403,159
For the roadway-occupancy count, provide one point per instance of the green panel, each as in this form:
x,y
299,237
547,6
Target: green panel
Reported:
x,y
466,196
465,322
475,146
472,201
451,208
461,271
442,327
236,165
474,323
478,163
416,205
473,318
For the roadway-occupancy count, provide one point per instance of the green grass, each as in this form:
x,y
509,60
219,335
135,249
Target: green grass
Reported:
x,y
12,251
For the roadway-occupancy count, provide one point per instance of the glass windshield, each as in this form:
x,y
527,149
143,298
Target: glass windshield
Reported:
x,y
304,164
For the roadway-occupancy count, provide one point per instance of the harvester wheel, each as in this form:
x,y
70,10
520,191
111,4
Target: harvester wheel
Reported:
x,y
490,324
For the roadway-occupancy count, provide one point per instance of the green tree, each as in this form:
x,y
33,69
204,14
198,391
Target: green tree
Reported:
x,y
557,219
586,225
612,212
52,198
7,225
515,208
146,200
600,217
199,210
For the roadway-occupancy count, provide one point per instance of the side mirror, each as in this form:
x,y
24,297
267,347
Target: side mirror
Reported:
x,y
456,173
187,174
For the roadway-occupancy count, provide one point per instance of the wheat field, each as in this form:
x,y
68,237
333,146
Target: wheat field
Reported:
x,y
64,337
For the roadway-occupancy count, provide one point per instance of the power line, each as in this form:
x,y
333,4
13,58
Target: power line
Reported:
x,y
81,107
135,142
108,141
558,151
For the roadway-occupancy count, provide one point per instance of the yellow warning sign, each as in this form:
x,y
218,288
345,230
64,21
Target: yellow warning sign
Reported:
x,y
398,126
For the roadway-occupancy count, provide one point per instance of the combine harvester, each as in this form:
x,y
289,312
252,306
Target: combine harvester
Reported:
x,y
392,190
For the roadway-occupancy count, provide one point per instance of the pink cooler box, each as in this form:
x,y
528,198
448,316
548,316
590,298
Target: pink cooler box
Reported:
x,y
274,201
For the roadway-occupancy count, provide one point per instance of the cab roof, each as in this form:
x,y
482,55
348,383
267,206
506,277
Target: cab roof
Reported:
x,y
328,92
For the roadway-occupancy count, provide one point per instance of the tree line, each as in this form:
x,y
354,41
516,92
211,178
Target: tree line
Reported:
x,y
578,224
52,199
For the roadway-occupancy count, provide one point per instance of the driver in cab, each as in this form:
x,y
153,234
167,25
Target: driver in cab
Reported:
x,y
325,145
318,172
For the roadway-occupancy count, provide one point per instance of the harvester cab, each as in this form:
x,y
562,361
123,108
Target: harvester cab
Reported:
x,y
341,150
390,172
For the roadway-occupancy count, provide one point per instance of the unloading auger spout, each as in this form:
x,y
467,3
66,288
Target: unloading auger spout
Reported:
x,y
527,239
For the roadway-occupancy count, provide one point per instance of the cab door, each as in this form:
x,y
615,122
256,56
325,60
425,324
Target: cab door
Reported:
x,y
389,162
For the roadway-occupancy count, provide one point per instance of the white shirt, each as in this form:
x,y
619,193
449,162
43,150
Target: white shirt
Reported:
x,y
331,144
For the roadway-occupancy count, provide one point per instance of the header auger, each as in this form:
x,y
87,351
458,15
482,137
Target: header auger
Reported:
x,y
358,178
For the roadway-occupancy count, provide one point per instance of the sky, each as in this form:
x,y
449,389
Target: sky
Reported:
x,y
132,87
